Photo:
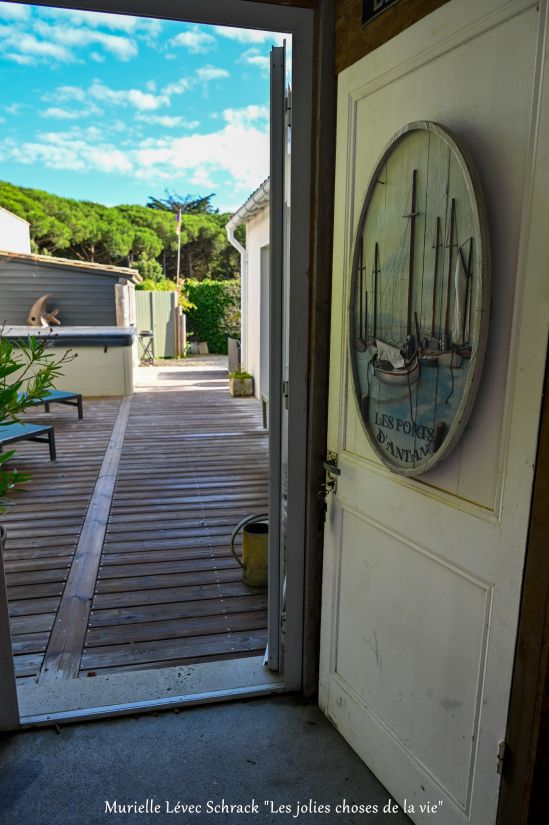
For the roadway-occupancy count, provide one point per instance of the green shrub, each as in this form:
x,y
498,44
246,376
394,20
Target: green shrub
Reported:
x,y
28,370
216,312
162,285
150,269
165,285
240,375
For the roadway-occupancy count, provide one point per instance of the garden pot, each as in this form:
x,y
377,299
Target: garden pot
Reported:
x,y
255,549
241,387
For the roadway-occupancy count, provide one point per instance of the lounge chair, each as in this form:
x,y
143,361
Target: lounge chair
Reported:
x,y
73,399
43,433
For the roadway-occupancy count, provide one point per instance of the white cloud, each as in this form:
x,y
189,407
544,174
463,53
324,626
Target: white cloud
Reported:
x,y
23,60
118,126
69,151
56,35
253,57
58,113
237,151
88,18
202,179
104,20
28,46
11,11
178,87
168,121
194,39
247,115
207,73
121,47
251,35
64,93
150,29
99,91
99,58
143,101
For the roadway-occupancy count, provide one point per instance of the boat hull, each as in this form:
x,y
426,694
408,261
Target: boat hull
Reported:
x,y
403,377
450,358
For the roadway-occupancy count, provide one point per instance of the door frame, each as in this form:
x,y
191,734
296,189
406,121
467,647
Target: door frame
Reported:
x,y
299,22
9,711
523,792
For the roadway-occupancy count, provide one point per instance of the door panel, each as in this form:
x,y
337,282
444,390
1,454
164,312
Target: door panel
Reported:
x,y
407,600
422,576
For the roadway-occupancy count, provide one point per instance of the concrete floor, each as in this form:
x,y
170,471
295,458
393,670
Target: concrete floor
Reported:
x,y
280,750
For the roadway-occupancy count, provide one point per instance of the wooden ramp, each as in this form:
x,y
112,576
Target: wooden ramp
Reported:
x,y
118,555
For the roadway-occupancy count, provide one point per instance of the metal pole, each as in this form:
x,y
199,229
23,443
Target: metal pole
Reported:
x,y
178,247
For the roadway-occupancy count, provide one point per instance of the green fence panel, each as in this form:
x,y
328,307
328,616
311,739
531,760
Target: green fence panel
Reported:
x,y
156,311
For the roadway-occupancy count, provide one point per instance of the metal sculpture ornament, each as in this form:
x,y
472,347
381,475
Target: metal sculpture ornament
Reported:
x,y
420,298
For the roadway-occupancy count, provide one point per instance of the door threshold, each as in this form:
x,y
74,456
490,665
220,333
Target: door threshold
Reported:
x,y
130,692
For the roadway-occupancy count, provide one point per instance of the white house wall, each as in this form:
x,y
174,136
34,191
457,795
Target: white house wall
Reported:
x,y
257,236
14,233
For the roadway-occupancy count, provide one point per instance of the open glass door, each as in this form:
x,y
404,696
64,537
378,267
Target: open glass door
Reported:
x,y
287,366
276,354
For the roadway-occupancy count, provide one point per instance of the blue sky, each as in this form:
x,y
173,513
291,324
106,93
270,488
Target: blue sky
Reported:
x,y
112,108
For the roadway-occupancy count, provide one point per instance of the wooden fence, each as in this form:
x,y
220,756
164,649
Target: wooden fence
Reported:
x,y
160,313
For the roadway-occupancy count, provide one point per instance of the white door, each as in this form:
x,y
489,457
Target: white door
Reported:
x,y
422,576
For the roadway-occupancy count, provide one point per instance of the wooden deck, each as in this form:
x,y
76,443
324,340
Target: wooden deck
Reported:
x,y
117,555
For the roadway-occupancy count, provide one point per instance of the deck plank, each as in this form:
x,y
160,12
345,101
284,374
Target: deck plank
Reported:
x,y
162,588
64,650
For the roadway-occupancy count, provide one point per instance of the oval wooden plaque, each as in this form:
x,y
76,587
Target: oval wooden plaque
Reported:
x,y
420,298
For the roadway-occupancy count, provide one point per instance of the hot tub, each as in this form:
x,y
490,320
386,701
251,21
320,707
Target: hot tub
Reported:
x,y
105,356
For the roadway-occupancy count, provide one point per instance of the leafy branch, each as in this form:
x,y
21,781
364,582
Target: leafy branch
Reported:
x,y
28,370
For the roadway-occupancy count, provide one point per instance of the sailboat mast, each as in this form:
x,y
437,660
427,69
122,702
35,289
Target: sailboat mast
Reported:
x,y
435,276
376,274
360,285
449,287
412,217
466,301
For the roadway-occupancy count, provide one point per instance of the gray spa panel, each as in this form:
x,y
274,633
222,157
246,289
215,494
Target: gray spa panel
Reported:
x,y
84,298
76,337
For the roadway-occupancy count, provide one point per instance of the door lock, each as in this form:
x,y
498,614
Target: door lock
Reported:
x,y
329,486
330,465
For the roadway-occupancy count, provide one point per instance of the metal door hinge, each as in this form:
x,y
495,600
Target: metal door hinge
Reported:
x,y
285,393
502,750
288,108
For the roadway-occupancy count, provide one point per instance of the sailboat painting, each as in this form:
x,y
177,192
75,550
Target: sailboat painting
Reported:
x,y
419,298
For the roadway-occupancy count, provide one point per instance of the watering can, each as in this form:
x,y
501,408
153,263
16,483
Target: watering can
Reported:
x,y
255,545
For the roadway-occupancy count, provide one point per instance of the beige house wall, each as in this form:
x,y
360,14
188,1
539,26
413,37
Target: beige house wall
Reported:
x,y
257,236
